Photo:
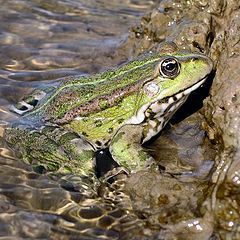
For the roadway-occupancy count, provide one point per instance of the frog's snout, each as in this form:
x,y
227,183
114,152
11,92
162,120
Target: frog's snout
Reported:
x,y
209,63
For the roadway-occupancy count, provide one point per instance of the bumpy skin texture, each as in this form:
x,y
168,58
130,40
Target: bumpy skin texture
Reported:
x,y
52,148
63,125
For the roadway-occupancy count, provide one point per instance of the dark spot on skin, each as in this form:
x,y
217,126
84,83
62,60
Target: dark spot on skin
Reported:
x,y
85,134
167,110
165,100
174,98
149,111
98,143
23,108
110,130
151,114
98,123
33,102
120,120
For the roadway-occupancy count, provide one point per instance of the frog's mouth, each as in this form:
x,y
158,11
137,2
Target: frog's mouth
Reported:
x,y
164,108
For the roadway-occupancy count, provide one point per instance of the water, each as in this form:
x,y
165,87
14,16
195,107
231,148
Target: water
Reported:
x,y
41,41
45,40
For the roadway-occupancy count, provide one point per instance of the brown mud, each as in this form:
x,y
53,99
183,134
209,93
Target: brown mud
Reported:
x,y
203,201
195,192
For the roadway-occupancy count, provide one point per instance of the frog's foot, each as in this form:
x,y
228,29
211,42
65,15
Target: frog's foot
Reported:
x,y
127,150
78,150
51,149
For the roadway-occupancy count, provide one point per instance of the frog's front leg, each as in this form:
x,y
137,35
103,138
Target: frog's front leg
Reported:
x,y
53,148
126,148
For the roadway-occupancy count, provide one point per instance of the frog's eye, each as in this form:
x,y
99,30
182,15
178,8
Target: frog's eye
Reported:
x,y
169,67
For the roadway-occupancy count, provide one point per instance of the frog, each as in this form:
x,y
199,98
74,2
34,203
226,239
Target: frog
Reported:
x,y
62,125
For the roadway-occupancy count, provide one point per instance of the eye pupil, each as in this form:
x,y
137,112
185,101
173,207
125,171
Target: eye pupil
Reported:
x,y
169,68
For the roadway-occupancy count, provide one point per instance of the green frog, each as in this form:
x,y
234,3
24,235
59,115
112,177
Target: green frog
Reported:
x,y
62,126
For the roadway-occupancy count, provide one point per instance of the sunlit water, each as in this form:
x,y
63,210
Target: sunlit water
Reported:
x,y
41,41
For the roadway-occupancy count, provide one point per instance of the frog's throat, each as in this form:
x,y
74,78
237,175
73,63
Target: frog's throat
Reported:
x,y
162,106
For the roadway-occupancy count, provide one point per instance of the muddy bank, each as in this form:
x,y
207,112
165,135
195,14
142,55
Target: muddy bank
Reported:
x,y
208,206
193,193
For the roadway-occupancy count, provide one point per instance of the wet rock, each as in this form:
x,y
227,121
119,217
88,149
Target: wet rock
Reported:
x,y
211,27
222,112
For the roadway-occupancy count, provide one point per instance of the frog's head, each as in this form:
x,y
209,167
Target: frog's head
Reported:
x,y
174,77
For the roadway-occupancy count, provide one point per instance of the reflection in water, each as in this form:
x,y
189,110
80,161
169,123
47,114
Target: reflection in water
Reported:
x,y
63,205
80,35
45,40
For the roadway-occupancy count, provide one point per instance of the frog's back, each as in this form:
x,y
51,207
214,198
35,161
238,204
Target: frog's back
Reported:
x,y
81,95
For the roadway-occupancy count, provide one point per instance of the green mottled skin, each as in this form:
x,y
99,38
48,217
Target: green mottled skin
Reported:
x,y
81,114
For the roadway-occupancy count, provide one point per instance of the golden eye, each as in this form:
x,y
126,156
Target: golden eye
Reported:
x,y
169,67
